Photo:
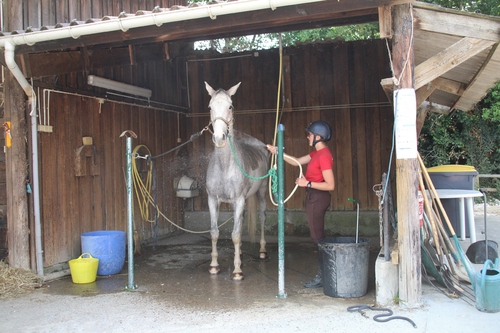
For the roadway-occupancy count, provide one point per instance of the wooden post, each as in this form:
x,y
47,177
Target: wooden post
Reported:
x,y
17,174
410,288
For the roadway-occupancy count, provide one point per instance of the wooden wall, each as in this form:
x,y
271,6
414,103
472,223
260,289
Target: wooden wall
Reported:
x,y
73,203
336,82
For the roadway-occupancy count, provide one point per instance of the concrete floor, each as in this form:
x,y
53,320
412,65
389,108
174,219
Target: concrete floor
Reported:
x,y
175,293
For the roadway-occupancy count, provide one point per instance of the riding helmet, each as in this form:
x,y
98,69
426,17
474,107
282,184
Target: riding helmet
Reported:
x,y
321,128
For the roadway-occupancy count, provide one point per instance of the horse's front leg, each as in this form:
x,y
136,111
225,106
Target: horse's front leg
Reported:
x,y
261,197
213,205
239,207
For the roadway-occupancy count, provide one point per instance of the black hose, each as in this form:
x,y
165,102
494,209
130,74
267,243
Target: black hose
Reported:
x,y
378,317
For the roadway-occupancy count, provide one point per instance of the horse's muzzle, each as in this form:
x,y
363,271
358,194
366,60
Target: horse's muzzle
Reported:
x,y
219,141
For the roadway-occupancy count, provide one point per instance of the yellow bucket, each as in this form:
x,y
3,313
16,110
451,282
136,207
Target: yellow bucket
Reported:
x,y
83,269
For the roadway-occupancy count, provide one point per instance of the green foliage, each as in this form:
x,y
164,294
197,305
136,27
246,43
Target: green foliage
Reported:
x,y
491,109
268,41
487,7
464,138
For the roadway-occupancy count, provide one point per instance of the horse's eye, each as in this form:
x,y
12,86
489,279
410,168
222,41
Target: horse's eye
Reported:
x,y
230,107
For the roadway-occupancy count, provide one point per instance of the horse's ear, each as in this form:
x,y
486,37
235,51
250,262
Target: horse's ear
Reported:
x,y
209,89
233,89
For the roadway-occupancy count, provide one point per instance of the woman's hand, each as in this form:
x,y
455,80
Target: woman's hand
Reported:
x,y
301,181
272,149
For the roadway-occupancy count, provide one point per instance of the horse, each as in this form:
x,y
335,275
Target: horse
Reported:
x,y
226,180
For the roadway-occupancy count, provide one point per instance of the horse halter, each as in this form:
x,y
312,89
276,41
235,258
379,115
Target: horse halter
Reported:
x,y
227,122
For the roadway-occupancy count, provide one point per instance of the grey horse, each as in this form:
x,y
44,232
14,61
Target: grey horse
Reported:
x,y
233,176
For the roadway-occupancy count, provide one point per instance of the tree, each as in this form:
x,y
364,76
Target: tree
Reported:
x,y
487,7
269,41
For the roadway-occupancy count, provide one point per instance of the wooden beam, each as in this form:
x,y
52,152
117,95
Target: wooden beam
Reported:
x,y
424,109
436,108
439,83
421,116
449,58
455,23
388,87
131,54
385,21
479,78
423,93
17,174
410,285
54,63
449,86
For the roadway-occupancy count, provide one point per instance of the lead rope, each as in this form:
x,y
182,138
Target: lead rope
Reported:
x,y
271,173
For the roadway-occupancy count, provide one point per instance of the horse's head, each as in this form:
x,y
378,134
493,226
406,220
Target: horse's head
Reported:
x,y
221,113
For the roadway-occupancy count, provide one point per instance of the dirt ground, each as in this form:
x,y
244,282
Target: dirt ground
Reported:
x,y
175,293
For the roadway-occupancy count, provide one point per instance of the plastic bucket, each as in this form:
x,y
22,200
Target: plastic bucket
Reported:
x,y
108,246
345,266
83,269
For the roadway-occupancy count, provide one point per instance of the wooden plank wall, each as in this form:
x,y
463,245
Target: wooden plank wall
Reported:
x,y
74,204
335,82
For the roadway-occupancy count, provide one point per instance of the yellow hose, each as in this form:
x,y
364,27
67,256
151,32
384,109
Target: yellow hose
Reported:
x,y
276,131
143,192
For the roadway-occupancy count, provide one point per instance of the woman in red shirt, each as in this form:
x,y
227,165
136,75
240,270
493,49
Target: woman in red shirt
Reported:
x,y
318,181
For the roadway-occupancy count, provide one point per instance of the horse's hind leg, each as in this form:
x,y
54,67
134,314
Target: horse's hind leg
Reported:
x,y
239,207
261,196
213,205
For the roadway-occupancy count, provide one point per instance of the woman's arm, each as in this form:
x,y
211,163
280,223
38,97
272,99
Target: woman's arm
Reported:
x,y
289,159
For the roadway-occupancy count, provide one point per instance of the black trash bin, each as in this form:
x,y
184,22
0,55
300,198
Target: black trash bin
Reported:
x,y
345,266
453,176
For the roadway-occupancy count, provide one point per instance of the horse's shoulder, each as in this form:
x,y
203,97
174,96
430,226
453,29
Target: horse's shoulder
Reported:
x,y
254,150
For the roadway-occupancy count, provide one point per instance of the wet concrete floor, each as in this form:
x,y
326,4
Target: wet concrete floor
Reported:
x,y
177,268
175,293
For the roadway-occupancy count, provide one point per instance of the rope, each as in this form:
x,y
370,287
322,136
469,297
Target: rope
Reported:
x,y
273,162
194,136
389,313
144,197
271,172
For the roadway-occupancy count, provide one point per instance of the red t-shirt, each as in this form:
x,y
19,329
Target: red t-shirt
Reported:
x,y
320,160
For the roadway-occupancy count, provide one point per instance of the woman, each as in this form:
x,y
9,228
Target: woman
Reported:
x,y
318,181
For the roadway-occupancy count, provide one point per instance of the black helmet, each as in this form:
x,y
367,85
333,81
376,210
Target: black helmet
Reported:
x,y
319,127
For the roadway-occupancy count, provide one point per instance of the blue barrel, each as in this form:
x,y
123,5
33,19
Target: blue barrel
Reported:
x,y
108,246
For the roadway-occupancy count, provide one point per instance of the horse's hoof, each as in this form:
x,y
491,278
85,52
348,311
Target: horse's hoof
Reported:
x,y
237,277
214,270
263,256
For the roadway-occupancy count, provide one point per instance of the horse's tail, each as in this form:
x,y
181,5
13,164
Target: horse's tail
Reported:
x,y
252,216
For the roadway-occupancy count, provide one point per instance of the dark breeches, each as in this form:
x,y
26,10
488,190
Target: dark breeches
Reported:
x,y
317,203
